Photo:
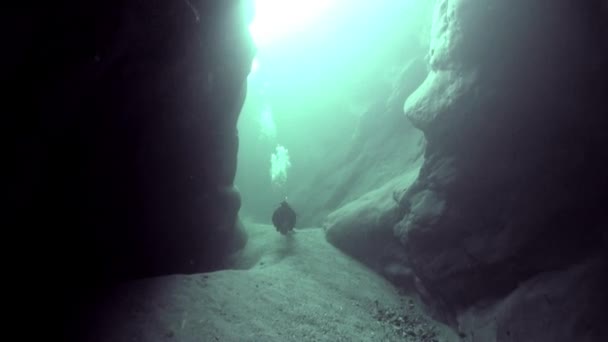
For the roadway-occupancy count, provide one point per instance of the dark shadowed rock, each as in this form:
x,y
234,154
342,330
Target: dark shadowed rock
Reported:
x,y
555,306
508,208
512,185
363,229
126,138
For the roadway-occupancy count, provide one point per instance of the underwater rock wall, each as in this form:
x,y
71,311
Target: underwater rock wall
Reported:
x,y
513,183
382,146
507,213
126,139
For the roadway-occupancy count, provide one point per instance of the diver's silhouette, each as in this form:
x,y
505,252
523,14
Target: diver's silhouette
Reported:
x,y
284,218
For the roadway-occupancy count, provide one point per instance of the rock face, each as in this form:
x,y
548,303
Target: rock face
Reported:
x,y
127,136
554,306
508,208
362,228
385,152
383,146
513,182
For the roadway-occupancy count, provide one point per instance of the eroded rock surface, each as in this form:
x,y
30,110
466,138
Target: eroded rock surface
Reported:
x,y
512,189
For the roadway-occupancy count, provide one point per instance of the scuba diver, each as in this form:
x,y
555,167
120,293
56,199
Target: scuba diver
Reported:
x,y
284,218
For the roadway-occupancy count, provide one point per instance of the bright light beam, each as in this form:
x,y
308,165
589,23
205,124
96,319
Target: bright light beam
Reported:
x,y
276,19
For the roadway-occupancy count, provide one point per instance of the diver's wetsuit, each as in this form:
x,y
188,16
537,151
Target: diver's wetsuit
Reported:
x,y
284,218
